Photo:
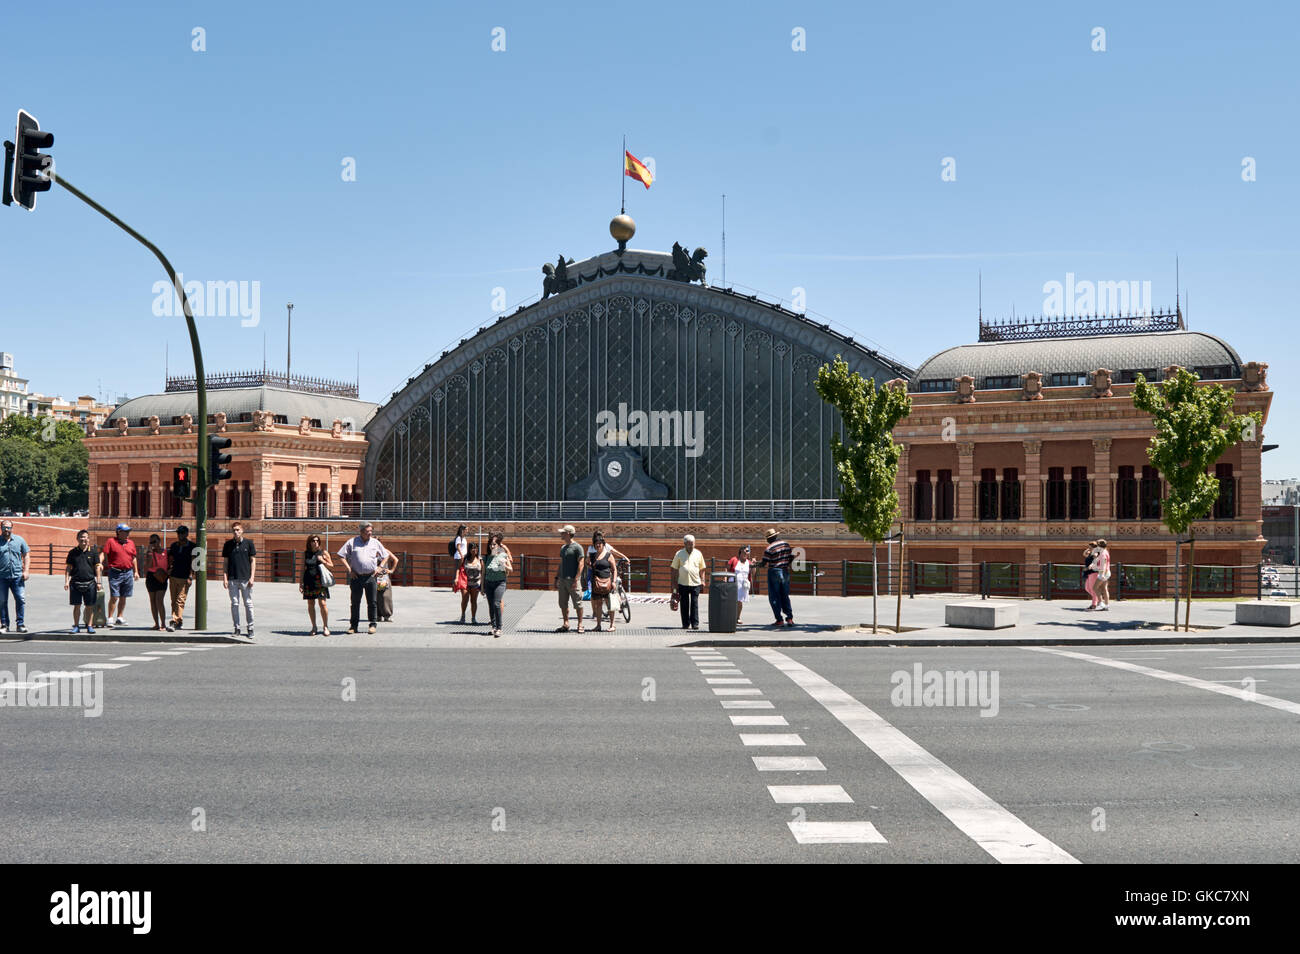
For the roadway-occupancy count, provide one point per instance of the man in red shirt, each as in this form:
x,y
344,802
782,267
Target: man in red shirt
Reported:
x,y
119,557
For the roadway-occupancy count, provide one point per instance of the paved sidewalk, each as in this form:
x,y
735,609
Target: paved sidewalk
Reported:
x,y
430,618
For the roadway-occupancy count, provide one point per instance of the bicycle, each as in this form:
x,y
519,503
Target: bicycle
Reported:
x,y
624,604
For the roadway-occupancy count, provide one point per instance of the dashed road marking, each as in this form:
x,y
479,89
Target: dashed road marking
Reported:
x,y
166,652
808,794
836,833
730,681
737,692
788,763
770,738
131,659
759,720
103,665
747,704
992,827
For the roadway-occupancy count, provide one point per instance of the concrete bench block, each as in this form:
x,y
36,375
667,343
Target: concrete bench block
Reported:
x,y
1267,613
981,614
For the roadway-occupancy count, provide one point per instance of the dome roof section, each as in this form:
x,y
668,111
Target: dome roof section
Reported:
x,y
1000,364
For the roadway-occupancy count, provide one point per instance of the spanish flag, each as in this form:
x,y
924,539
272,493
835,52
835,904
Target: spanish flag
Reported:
x,y
633,167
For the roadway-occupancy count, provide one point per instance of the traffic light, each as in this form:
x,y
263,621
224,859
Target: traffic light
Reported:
x,y
181,483
217,461
29,162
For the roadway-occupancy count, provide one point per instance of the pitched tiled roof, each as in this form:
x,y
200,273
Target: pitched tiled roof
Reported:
x,y
1158,350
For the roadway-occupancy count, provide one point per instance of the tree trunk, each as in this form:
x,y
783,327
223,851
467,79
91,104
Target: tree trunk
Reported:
x,y
874,579
1191,572
902,543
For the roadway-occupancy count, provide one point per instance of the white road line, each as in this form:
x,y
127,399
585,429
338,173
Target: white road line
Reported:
x,y
730,682
770,738
8,653
737,692
758,720
992,827
165,652
67,675
721,672
747,704
135,659
836,833
103,665
788,763
711,661
1259,666
1245,696
808,794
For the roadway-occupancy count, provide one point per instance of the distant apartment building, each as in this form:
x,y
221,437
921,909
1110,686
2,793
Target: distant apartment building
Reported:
x,y
1280,493
85,410
13,389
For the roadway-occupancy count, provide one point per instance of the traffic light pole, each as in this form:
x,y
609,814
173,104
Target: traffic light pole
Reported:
x,y
199,487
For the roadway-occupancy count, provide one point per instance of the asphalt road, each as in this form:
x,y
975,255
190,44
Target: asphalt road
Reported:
x,y
264,753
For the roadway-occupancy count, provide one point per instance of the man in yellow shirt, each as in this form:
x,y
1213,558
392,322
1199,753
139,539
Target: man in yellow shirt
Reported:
x,y
689,564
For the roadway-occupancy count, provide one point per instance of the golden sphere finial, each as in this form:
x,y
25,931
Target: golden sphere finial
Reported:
x,y
622,228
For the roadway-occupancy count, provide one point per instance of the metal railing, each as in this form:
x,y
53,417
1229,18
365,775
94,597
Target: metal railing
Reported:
x,y
988,579
607,511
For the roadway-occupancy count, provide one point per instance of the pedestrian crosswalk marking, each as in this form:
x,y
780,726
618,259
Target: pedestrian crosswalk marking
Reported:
x,y
103,665
722,672
747,704
165,652
992,827
808,794
770,738
737,692
135,659
759,720
730,681
788,763
836,833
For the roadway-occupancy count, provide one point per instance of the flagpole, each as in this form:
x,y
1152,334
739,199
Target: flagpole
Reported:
x,y
622,162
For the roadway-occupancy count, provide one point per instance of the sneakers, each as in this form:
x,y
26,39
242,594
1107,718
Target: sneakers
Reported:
x,y
250,634
237,633
4,628
21,629
178,623
75,629
90,630
109,622
371,630
170,627
121,621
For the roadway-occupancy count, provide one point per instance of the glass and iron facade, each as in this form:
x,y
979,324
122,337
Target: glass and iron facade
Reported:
x,y
514,413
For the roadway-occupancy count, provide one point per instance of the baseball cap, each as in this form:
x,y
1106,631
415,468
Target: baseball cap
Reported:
x,y
567,528
122,526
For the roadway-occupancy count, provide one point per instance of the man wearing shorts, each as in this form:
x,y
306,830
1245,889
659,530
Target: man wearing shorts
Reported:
x,y
81,580
568,579
119,557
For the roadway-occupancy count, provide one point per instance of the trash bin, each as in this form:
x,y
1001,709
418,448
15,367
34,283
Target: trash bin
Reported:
x,y
722,603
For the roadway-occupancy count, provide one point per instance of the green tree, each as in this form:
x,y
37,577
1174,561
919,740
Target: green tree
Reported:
x,y
54,463
26,479
866,464
1194,426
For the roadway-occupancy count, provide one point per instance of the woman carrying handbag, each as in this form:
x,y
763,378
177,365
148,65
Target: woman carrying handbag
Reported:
x,y
317,578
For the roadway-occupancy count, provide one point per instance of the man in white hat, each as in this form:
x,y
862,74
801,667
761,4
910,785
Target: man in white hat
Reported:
x,y
689,564
568,578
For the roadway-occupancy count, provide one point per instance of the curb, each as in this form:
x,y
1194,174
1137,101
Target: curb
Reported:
x,y
885,642
117,636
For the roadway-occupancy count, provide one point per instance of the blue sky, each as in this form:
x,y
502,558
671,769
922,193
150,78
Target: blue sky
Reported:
x,y
473,167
